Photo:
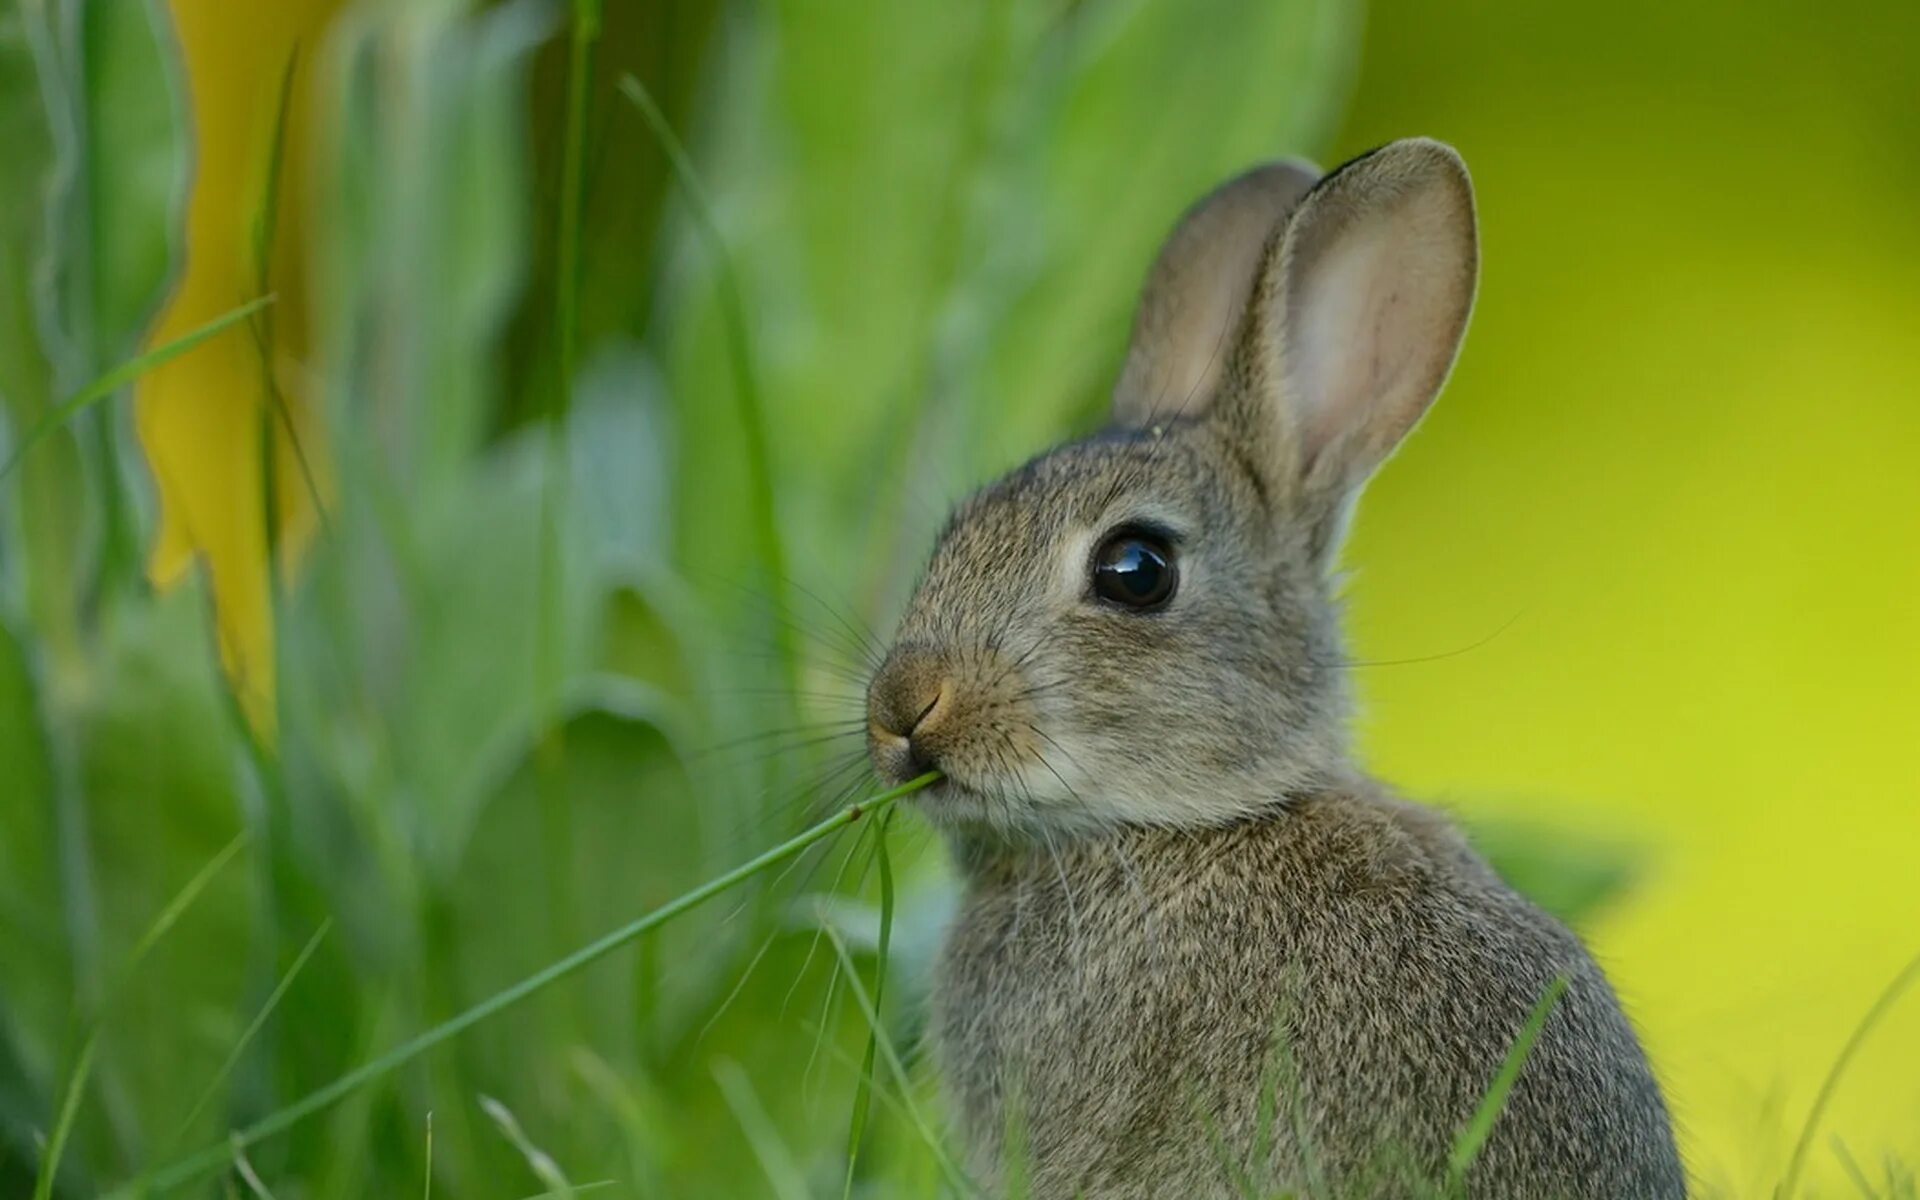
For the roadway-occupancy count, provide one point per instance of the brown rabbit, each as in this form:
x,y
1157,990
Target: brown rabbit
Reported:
x,y
1199,952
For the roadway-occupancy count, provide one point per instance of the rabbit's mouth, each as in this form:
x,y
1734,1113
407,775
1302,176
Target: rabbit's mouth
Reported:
x,y
968,713
962,804
948,799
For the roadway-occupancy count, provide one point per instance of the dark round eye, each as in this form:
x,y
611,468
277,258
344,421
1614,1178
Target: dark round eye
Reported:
x,y
1135,569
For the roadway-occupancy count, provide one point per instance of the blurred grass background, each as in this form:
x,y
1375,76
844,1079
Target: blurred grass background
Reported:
x,y
457,604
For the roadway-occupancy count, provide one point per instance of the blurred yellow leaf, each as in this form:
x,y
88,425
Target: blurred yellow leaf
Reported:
x,y
205,420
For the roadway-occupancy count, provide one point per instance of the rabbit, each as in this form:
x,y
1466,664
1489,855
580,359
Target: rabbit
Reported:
x,y
1198,952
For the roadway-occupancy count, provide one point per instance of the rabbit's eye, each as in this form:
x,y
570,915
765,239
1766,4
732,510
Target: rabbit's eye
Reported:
x,y
1136,569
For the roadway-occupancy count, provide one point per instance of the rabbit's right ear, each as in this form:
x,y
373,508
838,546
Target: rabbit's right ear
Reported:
x,y
1353,326
1196,296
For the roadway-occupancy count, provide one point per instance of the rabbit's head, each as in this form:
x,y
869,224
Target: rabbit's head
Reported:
x,y
1139,628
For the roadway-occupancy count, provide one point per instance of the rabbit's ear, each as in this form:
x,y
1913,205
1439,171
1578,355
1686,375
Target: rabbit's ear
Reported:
x,y
1359,312
1196,295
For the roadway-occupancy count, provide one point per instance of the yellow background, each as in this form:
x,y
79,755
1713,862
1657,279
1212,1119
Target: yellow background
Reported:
x,y
1679,456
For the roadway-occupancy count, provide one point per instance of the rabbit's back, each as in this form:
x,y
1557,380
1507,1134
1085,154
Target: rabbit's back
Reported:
x,y
1112,1011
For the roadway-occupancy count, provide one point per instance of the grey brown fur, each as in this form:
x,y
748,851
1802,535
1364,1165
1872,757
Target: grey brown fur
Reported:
x,y
1183,905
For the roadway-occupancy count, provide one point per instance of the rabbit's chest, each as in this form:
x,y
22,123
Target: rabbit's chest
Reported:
x,y
1077,1018
1030,979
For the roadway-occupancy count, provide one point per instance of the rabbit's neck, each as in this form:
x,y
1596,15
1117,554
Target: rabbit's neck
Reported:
x,y
1002,857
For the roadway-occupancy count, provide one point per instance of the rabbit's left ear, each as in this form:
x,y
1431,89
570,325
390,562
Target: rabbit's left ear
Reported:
x,y
1356,319
1195,302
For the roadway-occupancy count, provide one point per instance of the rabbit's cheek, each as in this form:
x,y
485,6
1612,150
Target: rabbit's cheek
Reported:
x,y
983,742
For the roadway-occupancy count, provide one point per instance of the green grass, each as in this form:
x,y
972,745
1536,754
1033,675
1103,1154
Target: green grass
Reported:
x,y
89,1038
197,1165
863,1090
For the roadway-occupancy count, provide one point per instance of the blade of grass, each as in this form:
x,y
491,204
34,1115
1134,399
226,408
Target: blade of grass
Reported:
x,y
579,1188
247,1173
1015,1157
760,501
1230,1167
1901,1182
739,986
881,1091
120,376
213,1157
782,1173
635,1109
833,977
566,301
549,669
183,900
253,1029
958,1181
69,1108
544,1168
90,1042
863,1090
1266,1108
1480,1126
1790,1181
266,225
1280,1073
1852,1168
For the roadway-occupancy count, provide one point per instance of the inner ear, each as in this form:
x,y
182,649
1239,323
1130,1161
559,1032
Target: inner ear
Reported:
x,y
1359,314
1197,293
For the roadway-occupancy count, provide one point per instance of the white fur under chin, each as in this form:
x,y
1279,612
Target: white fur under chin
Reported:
x,y
1061,797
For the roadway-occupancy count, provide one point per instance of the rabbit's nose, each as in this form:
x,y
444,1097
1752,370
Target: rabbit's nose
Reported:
x,y
907,705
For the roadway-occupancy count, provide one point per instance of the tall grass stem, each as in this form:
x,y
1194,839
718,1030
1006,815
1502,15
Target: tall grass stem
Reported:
x,y
1480,1126
863,1090
82,1067
955,1178
1790,1182
768,546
